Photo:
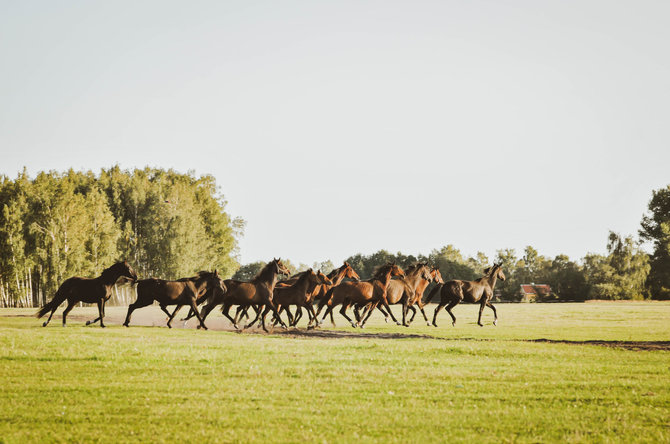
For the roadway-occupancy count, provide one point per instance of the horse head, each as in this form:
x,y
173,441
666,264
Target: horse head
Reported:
x,y
350,272
281,268
436,275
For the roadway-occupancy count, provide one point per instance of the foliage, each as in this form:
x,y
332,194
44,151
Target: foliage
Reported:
x,y
656,229
59,225
621,274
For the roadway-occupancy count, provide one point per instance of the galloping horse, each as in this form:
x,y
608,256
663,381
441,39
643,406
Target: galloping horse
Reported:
x,y
481,290
300,294
180,292
336,276
258,291
418,294
97,290
372,290
401,291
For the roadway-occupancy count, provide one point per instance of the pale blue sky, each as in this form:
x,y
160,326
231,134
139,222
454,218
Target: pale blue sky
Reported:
x,y
351,126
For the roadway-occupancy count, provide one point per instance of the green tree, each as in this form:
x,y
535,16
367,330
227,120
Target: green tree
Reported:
x,y
619,275
656,229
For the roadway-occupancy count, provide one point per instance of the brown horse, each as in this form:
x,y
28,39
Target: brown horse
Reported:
x,y
258,291
336,276
479,291
403,290
97,290
300,294
180,292
364,292
418,294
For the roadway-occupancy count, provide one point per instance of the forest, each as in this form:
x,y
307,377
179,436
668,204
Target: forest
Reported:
x,y
169,225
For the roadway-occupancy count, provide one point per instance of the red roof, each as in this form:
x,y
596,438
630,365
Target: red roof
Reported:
x,y
530,289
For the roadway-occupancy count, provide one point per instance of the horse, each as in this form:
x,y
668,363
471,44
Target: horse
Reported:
x,y
180,292
258,291
364,292
418,294
88,290
402,290
300,294
336,276
481,290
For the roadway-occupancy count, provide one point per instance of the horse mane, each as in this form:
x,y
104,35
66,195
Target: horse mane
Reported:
x,y
380,270
263,271
199,275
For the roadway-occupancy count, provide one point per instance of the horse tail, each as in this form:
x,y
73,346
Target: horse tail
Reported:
x,y
58,299
436,289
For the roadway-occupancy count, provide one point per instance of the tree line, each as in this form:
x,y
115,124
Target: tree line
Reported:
x,y
59,225
625,272
169,224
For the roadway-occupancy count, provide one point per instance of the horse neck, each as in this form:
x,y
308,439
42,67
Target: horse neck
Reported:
x,y
384,279
492,279
109,277
339,277
414,278
267,276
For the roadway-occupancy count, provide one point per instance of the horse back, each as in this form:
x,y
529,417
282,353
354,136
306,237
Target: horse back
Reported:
x,y
88,290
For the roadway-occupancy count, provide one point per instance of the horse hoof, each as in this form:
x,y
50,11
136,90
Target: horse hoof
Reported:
x,y
44,324
125,324
236,327
428,324
88,322
386,320
495,323
103,326
397,323
353,325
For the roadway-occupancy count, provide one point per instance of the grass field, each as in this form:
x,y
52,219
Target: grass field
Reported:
x,y
601,374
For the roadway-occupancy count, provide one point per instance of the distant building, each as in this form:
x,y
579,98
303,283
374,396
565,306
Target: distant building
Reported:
x,y
534,292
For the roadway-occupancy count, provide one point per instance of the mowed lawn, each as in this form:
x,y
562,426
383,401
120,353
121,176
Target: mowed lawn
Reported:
x,y
600,374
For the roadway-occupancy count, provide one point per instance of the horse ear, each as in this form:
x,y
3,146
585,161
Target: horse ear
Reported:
x,y
216,272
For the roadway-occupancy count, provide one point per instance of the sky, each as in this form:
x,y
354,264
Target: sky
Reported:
x,y
336,128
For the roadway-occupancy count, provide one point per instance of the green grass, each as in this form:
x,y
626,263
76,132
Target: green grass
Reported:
x,y
463,383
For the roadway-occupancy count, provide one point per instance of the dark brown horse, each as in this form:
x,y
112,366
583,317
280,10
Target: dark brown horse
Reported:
x,y
364,292
300,294
336,276
480,291
258,291
418,294
91,291
402,290
180,292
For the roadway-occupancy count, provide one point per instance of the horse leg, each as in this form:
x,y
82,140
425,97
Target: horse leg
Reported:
x,y
204,312
495,315
99,318
194,307
190,314
312,314
437,310
343,312
258,315
386,306
297,316
448,308
50,315
481,309
224,310
101,312
174,313
423,313
165,310
411,319
70,306
369,313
